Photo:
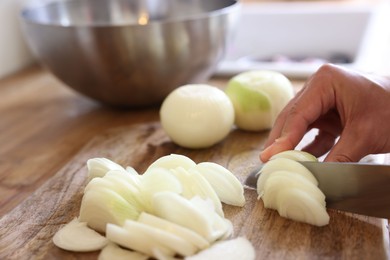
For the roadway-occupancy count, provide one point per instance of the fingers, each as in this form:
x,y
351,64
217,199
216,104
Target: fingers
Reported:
x,y
349,148
329,128
280,120
362,109
316,99
322,143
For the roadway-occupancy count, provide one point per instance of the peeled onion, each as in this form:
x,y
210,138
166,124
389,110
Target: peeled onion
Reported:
x,y
258,97
197,116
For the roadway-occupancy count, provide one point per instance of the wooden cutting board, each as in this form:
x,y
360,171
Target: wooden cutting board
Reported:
x,y
27,231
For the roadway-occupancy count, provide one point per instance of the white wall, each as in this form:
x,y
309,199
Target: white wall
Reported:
x,y
14,53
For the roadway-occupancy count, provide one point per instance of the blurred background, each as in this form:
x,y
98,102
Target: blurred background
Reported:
x,y
15,55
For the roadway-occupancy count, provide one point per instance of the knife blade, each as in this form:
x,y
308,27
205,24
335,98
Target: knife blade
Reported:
x,y
361,188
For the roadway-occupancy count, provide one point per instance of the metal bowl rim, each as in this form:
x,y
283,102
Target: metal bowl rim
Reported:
x,y
203,16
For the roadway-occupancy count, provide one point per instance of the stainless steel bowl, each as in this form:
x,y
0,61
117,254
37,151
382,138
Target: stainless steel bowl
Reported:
x,y
129,52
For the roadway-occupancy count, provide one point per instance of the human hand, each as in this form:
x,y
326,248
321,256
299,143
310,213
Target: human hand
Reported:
x,y
339,103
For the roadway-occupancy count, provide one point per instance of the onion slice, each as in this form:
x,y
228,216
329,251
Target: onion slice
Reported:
x,y
284,164
194,184
295,155
173,161
98,167
228,188
77,237
238,248
284,180
179,210
183,232
102,206
113,251
298,205
161,237
139,242
288,187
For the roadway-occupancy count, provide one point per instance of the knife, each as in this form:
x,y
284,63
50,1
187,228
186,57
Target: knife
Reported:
x,y
360,188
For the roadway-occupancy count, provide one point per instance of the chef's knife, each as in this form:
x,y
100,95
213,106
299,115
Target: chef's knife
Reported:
x,y
354,187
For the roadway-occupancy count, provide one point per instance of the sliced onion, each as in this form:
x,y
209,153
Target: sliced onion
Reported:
x,y
123,188
298,205
188,210
283,180
102,206
98,167
222,227
296,156
289,188
282,164
161,237
238,248
173,161
228,188
195,184
181,211
183,232
132,171
138,242
113,251
77,237
132,179
155,180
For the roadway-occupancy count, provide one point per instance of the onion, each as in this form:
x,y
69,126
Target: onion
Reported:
x,y
197,116
185,233
288,187
172,209
76,236
296,156
182,211
283,180
195,184
98,167
258,97
279,164
139,242
173,161
298,205
103,205
238,248
155,180
113,251
228,188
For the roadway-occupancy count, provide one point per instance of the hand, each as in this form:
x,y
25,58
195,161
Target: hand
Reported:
x,y
339,103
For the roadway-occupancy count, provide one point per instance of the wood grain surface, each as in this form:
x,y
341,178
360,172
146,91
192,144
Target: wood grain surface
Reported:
x,y
26,232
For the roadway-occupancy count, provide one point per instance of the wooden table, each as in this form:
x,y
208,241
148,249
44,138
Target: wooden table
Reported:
x,y
48,131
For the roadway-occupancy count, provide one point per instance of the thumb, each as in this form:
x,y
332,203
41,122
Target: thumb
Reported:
x,y
349,148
